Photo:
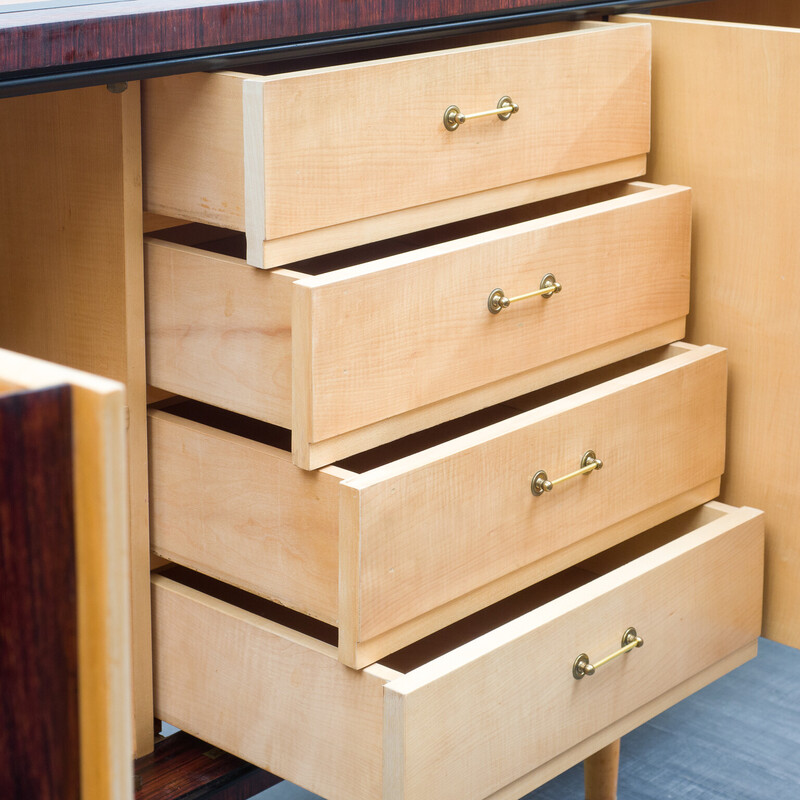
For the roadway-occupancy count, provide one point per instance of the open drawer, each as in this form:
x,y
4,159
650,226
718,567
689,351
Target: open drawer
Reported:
x,y
307,161
489,707
397,542
375,343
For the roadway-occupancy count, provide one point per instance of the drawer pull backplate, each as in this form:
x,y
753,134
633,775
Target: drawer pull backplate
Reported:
x,y
541,484
548,286
582,666
505,108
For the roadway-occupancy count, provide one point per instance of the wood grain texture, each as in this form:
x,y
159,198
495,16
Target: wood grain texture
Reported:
x,y
311,456
358,654
722,125
40,734
269,695
589,106
62,229
102,550
643,714
318,242
474,491
601,771
516,681
778,13
509,687
70,36
73,284
182,767
716,743
192,138
624,266
219,331
353,547
242,512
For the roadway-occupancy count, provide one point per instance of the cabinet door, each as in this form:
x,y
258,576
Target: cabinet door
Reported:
x,y
64,589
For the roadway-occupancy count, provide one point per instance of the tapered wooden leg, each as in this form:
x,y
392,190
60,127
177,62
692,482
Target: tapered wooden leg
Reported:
x,y
600,773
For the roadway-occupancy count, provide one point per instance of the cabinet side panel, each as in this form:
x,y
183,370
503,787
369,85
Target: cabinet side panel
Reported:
x,y
724,126
72,278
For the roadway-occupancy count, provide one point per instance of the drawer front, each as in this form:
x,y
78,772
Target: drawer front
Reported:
x,y
487,714
365,354
434,526
511,698
427,538
334,146
376,341
583,99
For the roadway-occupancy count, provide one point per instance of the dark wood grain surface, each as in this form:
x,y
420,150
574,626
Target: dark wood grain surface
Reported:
x,y
184,768
82,35
39,747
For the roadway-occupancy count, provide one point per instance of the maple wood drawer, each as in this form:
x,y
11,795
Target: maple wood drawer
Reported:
x,y
397,542
372,348
316,160
487,705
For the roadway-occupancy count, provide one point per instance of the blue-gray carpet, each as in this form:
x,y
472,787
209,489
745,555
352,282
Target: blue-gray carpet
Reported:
x,y
738,739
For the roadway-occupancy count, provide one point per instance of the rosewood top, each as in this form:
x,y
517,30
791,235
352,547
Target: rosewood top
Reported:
x,y
40,38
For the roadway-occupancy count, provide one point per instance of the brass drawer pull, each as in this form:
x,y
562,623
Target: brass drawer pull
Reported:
x,y
548,286
582,665
505,108
540,483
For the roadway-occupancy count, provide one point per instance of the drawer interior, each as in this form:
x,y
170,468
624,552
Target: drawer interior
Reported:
x,y
222,241
280,438
474,625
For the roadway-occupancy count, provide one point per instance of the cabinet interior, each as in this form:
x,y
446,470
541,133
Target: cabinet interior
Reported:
x,y
376,51
775,13
222,241
475,625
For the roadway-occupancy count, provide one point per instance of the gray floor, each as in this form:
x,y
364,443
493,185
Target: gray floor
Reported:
x,y
738,739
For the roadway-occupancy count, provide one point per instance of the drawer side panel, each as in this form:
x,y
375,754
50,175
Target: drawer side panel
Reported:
x,y
241,512
193,148
219,331
222,675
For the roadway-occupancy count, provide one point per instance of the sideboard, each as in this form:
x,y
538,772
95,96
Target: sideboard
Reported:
x,y
72,216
